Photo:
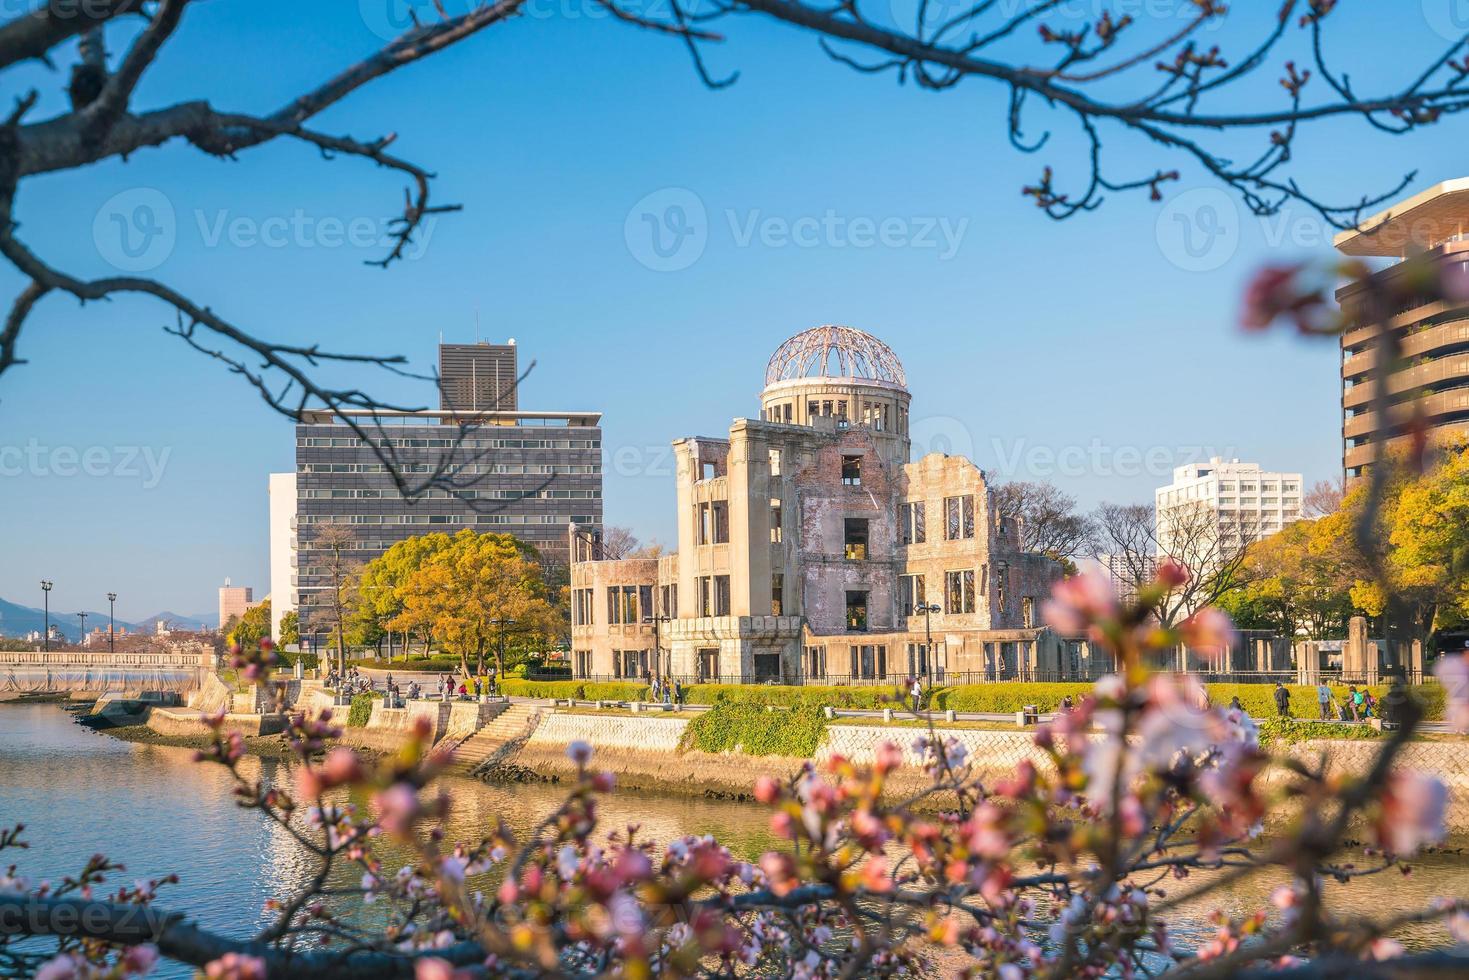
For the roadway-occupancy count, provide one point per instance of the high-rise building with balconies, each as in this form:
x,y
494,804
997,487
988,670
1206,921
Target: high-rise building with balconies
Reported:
x,y
1429,389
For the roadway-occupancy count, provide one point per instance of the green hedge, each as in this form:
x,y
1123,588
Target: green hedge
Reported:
x,y
790,695
580,690
1289,731
1005,697
361,710
732,726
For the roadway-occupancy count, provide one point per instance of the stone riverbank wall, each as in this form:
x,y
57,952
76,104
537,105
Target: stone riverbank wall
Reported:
x,y
644,753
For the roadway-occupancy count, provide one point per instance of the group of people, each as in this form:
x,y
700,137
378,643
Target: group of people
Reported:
x,y
466,687
1359,705
352,681
349,682
665,691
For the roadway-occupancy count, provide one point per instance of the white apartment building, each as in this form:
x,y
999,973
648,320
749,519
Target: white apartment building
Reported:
x,y
1238,502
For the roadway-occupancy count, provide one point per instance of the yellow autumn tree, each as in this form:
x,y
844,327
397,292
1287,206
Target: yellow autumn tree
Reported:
x,y
477,593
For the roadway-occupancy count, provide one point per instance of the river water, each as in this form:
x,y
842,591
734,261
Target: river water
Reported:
x,y
156,811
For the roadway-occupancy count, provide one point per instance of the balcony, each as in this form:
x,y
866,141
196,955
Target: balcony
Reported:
x,y
1433,406
1427,341
1452,368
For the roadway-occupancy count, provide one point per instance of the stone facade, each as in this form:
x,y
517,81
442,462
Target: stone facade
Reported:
x,y
809,546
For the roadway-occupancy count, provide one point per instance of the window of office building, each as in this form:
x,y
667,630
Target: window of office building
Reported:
x,y
959,517
912,523
855,538
816,663
959,588
622,605
911,594
869,662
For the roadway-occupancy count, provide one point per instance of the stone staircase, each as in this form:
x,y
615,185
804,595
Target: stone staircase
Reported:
x,y
497,740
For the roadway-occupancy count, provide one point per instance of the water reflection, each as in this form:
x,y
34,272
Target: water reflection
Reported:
x,y
154,809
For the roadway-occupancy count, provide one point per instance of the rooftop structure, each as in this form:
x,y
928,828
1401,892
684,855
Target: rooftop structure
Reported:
x,y
478,377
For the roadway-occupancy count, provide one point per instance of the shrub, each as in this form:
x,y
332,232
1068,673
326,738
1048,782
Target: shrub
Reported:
x,y
614,691
732,726
361,710
1289,731
541,689
789,695
580,690
1006,697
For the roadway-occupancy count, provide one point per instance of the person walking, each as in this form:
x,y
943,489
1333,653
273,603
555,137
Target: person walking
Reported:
x,y
916,691
1323,698
1352,703
1235,705
1282,700
677,692
1361,709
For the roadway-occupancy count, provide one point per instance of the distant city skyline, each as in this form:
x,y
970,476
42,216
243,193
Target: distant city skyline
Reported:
x,y
1098,353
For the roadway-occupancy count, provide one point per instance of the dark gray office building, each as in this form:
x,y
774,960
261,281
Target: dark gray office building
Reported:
x,y
477,377
530,474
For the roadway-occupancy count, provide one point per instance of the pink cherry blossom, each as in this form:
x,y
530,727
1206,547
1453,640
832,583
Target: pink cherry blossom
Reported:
x,y
1078,602
1453,672
1414,805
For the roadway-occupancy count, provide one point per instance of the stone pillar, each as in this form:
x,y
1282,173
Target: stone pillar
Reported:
x,y
1308,663
1415,662
1372,657
1356,659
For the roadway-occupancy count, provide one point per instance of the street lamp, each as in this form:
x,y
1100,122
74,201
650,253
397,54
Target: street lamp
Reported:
x,y
46,635
82,637
502,623
658,643
927,609
111,621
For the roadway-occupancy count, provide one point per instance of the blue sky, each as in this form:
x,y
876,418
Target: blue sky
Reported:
x,y
1097,342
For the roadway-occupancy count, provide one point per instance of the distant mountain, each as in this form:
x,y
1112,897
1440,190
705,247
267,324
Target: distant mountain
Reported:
x,y
18,620
200,622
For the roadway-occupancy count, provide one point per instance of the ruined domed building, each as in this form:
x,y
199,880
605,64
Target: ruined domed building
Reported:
x,y
809,547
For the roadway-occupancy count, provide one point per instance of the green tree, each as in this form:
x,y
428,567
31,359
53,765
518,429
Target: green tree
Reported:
x,y
252,627
479,594
381,586
290,628
1293,582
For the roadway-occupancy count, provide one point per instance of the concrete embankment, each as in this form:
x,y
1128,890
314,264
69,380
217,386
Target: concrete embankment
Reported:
x,y
644,753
